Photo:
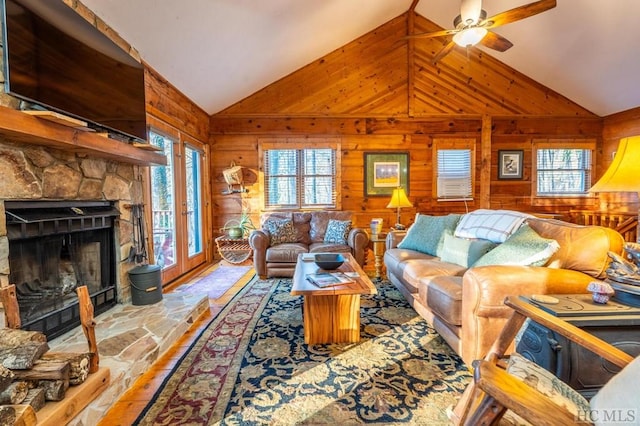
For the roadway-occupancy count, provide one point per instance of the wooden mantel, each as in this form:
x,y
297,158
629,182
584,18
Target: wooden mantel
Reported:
x,y
21,127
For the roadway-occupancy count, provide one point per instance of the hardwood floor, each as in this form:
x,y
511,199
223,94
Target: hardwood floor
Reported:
x,y
132,402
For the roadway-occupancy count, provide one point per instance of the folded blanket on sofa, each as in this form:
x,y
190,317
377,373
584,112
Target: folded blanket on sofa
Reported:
x,y
492,225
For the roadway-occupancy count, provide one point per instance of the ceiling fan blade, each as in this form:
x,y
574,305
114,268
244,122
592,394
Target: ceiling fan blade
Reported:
x,y
444,52
433,34
496,42
518,13
470,11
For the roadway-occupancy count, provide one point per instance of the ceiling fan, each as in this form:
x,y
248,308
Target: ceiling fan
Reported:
x,y
472,26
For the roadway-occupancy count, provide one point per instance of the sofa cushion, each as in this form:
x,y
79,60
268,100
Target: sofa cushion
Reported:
x,y
413,270
394,260
492,225
462,251
329,248
424,235
280,231
443,295
320,221
285,253
525,247
337,231
301,223
573,239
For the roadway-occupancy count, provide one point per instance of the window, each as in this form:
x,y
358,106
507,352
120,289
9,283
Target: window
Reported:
x,y
563,170
453,169
163,203
300,175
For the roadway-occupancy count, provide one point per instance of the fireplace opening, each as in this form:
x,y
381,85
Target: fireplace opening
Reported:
x,y
54,247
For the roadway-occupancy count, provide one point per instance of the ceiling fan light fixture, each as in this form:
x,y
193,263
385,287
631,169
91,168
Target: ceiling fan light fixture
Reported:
x,y
469,36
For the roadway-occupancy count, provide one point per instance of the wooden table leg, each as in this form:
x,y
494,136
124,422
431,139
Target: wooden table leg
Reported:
x,y
346,321
331,318
318,314
378,254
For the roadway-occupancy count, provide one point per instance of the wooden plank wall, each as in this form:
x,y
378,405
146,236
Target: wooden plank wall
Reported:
x,y
166,106
381,93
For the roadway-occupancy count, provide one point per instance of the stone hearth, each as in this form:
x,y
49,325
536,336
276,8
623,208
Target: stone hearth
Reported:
x,y
130,339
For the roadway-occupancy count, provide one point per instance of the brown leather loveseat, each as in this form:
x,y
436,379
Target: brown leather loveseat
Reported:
x,y
284,235
465,303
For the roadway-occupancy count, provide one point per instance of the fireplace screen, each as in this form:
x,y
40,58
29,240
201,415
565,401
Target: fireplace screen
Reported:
x,y
54,250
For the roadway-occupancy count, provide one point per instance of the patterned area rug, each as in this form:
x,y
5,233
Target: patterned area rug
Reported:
x,y
217,282
251,366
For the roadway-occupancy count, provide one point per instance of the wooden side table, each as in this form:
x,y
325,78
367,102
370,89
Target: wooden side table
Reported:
x,y
379,244
234,250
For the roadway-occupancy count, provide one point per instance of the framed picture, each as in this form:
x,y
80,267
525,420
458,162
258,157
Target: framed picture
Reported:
x,y
384,171
510,164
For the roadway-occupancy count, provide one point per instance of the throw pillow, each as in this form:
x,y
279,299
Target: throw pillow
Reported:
x,y
280,231
426,232
620,392
547,384
464,252
337,231
525,247
441,241
492,225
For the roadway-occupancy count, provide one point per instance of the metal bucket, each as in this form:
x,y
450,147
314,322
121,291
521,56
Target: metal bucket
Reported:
x,y
146,284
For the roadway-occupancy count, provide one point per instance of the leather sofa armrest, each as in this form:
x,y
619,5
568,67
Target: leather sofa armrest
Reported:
x,y
259,242
394,238
358,240
485,288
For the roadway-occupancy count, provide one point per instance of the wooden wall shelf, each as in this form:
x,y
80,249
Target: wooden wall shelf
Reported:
x,y
20,127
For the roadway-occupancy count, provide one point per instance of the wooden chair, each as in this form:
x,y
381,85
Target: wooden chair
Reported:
x,y
494,391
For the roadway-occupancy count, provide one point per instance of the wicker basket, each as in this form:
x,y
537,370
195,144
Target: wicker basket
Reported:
x,y
233,175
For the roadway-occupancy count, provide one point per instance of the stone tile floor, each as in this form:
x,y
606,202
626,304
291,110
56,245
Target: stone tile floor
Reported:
x,y
130,339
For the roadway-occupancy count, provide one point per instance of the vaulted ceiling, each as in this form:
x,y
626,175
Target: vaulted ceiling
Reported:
x,y
218,52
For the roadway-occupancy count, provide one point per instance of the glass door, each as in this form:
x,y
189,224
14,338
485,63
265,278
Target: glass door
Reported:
x,y
193,202
177,205
163,209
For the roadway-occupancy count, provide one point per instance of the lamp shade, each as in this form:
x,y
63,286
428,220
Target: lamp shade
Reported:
x,y
623,175
470,36
399,199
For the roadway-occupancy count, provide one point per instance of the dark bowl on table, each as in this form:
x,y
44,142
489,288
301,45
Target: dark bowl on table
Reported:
x,y
329,261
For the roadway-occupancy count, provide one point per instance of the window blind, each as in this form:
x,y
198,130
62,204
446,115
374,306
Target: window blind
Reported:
x,y
563,171
454,173
300,178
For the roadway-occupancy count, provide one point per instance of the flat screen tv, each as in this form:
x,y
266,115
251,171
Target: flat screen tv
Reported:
x,y
55,59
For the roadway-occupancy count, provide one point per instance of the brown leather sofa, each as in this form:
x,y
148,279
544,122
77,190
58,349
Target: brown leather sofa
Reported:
x,y
466,306
279,260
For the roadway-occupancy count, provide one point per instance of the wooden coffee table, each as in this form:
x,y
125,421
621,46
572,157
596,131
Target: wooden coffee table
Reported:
x,y
331,314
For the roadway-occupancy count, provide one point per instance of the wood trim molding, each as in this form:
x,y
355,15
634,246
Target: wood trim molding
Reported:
x,y
24,128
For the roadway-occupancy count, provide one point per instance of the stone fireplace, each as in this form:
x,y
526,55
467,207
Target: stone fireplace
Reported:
x,y
60,180
55,247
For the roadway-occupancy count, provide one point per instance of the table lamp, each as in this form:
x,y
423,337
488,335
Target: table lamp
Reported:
x,y
399,200
622,175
